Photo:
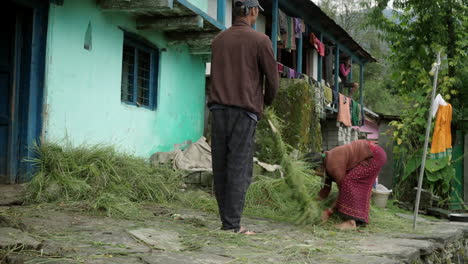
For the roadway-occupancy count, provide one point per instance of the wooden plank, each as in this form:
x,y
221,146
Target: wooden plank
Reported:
x,y
185,23
195,39
208,19
136,5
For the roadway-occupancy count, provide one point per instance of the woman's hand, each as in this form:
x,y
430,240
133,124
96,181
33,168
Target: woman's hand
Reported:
x,y
326,214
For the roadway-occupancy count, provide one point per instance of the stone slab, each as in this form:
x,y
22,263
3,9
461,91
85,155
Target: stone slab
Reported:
x,y
359,258
12,194
10,237
160,239
396,248
186,258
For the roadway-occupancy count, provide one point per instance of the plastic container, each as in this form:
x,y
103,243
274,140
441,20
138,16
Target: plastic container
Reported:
x,y
380,196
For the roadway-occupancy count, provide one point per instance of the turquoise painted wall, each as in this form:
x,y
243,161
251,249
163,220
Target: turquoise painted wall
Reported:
x,y
83,87
202,4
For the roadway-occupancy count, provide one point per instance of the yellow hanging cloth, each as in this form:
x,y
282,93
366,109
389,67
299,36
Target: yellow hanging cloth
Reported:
x,y
442,139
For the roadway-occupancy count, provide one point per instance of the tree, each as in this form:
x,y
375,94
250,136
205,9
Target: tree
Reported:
x,y
416,31
355,17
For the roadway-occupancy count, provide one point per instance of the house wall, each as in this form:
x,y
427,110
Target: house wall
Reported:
x,y
83,103
213,10
202,4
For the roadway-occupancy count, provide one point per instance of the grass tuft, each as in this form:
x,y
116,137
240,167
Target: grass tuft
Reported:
x,y
100,177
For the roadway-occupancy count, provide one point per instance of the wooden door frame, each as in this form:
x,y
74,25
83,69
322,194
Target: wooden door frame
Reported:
x,y
27,88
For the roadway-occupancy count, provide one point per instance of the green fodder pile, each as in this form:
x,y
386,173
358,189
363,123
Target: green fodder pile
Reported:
x,y
99,178
303,186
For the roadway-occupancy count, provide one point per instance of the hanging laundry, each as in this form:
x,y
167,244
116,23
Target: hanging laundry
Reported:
x,y
280,68
318,45
441,145
282,29
297,27
282,22
344,115
437,102
285,72
292,74
355,112
328,94
290,39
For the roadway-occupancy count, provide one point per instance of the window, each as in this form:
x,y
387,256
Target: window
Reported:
x,y
139,74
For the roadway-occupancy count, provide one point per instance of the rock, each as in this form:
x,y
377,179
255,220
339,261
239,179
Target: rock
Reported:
x,y
398,248
177,258
159,239
411,217
12,237
355,258
12,194
114,260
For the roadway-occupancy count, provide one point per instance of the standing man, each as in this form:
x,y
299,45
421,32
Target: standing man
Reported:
x,y
241,59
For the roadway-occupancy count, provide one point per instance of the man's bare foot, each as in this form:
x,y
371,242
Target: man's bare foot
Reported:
x,y
347,225
246,232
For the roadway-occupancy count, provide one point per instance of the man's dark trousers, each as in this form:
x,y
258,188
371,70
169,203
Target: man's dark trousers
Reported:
x,y
232,139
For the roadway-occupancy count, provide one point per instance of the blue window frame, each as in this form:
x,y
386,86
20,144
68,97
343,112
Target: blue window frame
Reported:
x,y
140,64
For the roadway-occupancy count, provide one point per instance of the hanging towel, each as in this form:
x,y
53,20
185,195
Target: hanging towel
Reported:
x,y
285,72
344,115
355,113
292,74
280,67
442,139
437,102
318,45
282,29
328,94
297,27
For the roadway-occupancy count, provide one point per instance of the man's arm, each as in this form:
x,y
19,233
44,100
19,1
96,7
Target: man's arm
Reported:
x,y
270,69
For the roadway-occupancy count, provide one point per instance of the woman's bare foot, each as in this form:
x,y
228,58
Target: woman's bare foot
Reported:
x,y
347,225
246,232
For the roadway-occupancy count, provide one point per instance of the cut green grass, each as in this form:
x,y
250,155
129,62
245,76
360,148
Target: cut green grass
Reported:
x,y
100,178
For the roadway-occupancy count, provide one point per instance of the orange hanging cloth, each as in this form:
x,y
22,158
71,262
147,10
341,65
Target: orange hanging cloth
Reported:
x,y
442,139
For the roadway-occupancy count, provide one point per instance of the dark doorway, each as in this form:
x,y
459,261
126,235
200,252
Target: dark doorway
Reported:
x,y
22,49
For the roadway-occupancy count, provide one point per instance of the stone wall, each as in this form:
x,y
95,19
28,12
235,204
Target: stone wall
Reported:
x,y
335,134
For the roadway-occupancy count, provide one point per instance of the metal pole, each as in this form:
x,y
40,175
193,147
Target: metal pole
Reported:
x,y
274,27
426,141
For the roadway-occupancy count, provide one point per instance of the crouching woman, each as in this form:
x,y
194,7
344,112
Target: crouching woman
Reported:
x,y
354,167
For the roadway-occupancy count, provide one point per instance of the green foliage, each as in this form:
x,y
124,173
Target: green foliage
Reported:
x,y
295,117
295,104
100,178
416,31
